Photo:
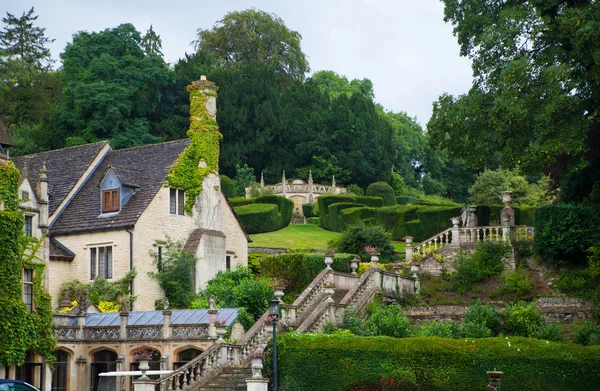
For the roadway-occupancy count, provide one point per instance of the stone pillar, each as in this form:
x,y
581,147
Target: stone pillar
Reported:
x,y
472,219
262,179
256,384
455,232
506,237
311,197
409,248
333,186
143,385
124,317
507,211
81,324
494,376
43,197
167,324
283,189
212,319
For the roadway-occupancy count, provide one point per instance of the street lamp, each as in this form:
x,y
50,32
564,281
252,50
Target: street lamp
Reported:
x,y
274,314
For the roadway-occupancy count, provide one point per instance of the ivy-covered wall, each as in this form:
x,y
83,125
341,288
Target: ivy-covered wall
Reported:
x,y
21,331
205,136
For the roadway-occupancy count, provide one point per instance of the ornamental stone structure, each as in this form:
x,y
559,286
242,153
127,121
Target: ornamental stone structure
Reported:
x,y
103,213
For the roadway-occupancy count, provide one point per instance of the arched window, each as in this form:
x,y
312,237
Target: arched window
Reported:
x,y
103,361
32,372
61,368
185,356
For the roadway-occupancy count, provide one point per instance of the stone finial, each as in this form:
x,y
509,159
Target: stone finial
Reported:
x,y
333,182
310,180
283,183
262,179
43,172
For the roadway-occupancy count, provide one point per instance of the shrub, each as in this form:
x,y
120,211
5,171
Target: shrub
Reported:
x,y
516,282
175,269
355,238
351,323
484,315
550,332
285,208
564,233
313,220
323,203
486,261
257,218
309,210
227,186
587,334
474,330
436,328
373,202
239,201
436,363
404,200
389,321
383,190
356,190
332,222
522,319
432,220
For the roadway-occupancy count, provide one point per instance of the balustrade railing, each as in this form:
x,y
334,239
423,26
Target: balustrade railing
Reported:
x,y
144,332
484,234
192,372
435,242
138,333
522,234
102,333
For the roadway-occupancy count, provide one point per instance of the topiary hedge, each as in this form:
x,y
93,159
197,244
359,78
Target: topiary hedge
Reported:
x,y
309,210
333,213
432,363
227,186
564,233
373,202
432,220
383,190
323,203
313,220
257,218
285,207
239,201
404,200
300,269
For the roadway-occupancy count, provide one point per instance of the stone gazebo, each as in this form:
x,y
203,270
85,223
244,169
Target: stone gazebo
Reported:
x,y
299,191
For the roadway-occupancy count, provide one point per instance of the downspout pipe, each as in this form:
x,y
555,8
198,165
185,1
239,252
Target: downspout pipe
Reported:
x,y
130,232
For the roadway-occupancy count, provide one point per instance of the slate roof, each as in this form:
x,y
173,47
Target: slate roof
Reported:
x,y
128,177
60,251
65,167
148,318
4,137
152,162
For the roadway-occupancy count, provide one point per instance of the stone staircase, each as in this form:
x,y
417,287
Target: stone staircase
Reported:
x,y
230,378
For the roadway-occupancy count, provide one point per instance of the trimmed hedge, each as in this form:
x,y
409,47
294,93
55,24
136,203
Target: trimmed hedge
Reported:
x,y
323,203
309,210
285,207
257,218
373,202
333,213
432,363
227,186
384,190
313,220
403,200
300,269
239,201
433,220
486,214
564,233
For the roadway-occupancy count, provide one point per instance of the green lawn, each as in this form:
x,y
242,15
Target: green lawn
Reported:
x,y
301,236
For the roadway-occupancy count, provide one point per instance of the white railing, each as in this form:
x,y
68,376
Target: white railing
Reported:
x,y
484,234
191,373
522,234
435,242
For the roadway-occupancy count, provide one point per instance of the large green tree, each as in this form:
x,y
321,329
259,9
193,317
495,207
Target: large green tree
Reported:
x,y
535,98
252,35
112,88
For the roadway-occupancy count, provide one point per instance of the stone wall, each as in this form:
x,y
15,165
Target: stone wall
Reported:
x,y
556,309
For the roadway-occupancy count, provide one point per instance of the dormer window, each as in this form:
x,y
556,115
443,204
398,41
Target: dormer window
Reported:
x,y
111,200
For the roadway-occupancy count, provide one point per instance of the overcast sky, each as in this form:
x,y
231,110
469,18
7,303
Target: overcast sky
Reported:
x,y
403,46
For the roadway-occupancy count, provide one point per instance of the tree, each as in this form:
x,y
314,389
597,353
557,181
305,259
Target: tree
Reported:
x,y
151,43
112,88
535,98
489,185
242,37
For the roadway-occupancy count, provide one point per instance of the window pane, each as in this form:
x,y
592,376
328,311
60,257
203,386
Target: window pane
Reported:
x,y
101,262
115,200
28,275
105,201
28,225
92,263
108,262
180,201
173,201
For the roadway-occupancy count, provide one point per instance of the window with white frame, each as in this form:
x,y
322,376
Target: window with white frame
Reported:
x,y
28,288
176,201
101,259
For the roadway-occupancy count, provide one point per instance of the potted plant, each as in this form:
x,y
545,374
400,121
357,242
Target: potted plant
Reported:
x,y
374,252
143,354
279,285
256,354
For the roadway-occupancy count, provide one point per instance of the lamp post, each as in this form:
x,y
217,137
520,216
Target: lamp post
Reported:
x,y
274,314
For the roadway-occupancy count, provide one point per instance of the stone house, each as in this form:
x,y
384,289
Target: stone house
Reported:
x,y
105,212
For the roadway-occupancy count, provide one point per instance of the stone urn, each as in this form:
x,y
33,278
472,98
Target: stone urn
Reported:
x,y
143,367
408,240
506,197
494,376
455,221
257,366
278,293
414,269
374,258
220,330
354,265
328,261
396,266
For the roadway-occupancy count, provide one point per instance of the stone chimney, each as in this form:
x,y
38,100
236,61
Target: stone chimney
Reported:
x,y
311,197
43,198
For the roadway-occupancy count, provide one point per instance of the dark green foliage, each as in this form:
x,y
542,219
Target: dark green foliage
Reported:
x,y
481,316
175,271
244,176
434,363
257,218
333,212
300,269
436,328
550,332
356,190
352,323
228,187
389,321
403,200
522,319
383,190
373,202
355,238
309,210
313,220
432,220
323,203
486,261
353,216
239,201
564,233
516,282
587,334
285,208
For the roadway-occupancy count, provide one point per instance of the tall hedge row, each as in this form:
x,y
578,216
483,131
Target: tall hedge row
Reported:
x,y
431,220
323,203
431,363
239,201
488,214
333,212
258,218
285,207
300,269
308,210
374,202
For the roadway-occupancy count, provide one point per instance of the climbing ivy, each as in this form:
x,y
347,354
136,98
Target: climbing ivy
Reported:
x,y
21,331
205,136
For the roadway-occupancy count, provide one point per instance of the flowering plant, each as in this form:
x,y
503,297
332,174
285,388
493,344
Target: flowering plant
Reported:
x,y
144,353
371,249
330,251
279,282
256,352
